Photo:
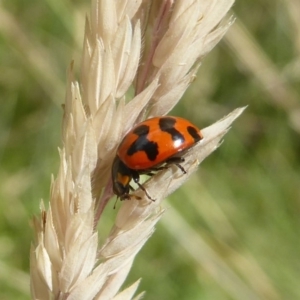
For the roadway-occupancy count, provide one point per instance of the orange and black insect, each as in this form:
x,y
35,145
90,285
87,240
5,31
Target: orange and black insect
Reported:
x,y
151,146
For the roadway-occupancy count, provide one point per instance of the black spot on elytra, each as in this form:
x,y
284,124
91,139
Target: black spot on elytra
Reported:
x,y
141,130
143,144
194,133
167,125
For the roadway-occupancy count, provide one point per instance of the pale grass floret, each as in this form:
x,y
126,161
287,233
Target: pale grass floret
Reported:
x,y
66,260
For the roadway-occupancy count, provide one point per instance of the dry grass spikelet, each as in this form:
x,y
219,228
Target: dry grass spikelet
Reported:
x,y
156,49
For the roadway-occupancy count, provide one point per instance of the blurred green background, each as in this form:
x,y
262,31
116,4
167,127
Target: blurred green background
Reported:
x,y
232,231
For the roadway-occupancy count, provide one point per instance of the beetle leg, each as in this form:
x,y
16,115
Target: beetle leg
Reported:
x,y
159,168
181,168
176,161
171,161
150,174
145,191
136,179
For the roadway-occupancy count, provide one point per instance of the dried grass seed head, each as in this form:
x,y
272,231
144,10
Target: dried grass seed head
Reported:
x,y
96,116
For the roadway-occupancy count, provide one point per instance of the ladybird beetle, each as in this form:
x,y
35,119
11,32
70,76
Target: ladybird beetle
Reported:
x,y
150,146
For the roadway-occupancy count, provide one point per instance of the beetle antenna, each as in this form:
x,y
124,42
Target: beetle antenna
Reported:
x,y
117,198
